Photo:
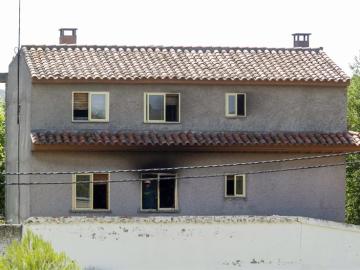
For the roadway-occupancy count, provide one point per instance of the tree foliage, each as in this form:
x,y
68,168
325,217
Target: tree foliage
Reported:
x,y
353,167
34,253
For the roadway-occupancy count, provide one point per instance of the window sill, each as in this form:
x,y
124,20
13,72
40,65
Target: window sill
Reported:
x,y
86,121
159,211
171,123
235,116
90,211
235,197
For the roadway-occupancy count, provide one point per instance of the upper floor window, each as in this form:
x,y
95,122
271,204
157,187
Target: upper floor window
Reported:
x,y
91,191
235,185
91,106
162,108
235,104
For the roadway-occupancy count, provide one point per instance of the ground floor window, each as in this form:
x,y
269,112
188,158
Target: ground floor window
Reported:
x,y
91,191
158,191
235,185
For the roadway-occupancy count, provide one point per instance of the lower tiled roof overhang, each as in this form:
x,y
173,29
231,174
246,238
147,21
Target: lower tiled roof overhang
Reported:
x,y
105,140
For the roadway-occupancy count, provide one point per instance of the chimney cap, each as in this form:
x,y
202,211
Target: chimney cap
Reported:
x,y
67,28
304,34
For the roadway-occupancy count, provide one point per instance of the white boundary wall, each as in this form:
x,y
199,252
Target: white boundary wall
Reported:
x,y
229,242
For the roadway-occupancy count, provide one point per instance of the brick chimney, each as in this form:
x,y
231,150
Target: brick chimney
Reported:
x,y
301,40
67,35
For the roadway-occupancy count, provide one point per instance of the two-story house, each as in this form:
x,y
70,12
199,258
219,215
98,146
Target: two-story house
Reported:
x,y
108,118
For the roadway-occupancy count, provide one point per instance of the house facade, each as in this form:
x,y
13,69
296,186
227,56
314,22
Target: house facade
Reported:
x,y
130,131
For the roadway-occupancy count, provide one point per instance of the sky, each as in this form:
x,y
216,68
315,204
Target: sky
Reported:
x,y
256,23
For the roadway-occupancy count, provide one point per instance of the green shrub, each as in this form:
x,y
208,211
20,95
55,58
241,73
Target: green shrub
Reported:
x,y
34,253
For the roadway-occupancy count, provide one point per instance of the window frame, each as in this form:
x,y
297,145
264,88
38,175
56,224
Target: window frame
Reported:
x,y
147,107
244,186
227,114
90,93
176,208
74,208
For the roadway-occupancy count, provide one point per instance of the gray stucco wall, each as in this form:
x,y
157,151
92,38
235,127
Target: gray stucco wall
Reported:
x,y
12,143
269,108
317,193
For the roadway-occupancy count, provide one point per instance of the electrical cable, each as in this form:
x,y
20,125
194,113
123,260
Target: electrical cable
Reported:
x,y
185,167
181,177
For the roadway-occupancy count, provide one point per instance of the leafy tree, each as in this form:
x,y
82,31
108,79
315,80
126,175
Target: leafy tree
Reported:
x,y
353,167
33,253
356,65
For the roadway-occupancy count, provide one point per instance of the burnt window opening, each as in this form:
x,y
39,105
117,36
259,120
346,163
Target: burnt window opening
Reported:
x,y
100,191
91,191
158,191
162,107
235,104
235,185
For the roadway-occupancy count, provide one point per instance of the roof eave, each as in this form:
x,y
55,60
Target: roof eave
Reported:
x,y
246,149
341,83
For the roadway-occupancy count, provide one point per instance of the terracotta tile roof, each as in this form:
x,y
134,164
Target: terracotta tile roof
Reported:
x,y
182,63
194,139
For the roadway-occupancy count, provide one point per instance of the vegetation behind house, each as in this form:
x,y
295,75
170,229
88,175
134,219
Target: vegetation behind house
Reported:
x,y
353,161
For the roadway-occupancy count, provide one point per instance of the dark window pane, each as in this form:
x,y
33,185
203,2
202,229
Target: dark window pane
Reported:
x,y
149,191
241,104
239,185
167,191
156,107
230,185
81,115
100,196
172,108
100,191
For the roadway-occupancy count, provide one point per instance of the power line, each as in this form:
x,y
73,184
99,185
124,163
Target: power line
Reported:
x,y
185,167
180,177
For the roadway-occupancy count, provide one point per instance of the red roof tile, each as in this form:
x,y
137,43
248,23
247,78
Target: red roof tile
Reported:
x,y
194,139
181,63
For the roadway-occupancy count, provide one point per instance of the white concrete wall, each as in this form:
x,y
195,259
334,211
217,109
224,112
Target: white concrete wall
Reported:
x,y
226,242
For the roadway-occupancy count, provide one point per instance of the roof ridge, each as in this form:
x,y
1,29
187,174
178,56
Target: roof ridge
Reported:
x,y
196,48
